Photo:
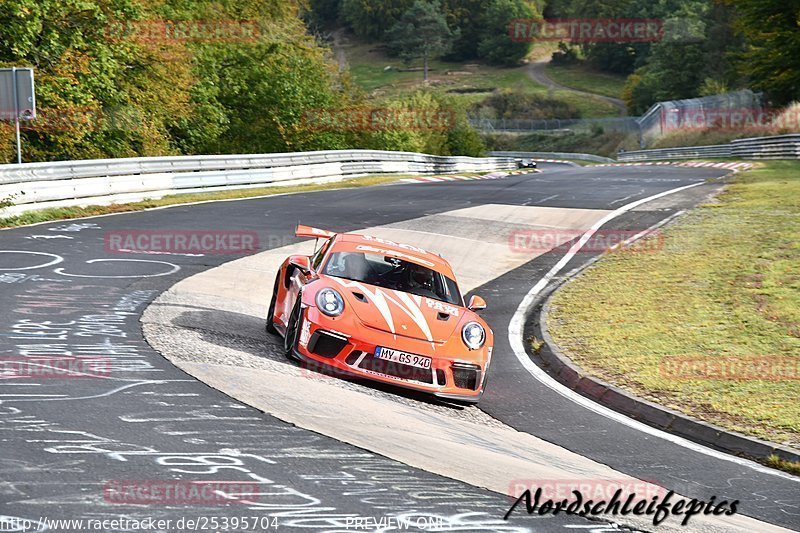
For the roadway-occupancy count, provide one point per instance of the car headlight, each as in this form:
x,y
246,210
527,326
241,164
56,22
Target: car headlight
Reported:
x,y
330,302
473,335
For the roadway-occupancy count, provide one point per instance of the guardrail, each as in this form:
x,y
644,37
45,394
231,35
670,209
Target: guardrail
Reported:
x,y
776,147
554,155
38,185
685,152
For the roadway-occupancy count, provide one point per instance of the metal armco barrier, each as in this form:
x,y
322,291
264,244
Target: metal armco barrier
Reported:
x,y
684,152
33,186
554,155
777,147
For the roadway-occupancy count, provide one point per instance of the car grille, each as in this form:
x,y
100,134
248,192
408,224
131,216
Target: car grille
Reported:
x,y
390,368
466,376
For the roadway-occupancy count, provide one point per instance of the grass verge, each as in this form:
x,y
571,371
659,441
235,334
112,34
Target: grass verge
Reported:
x,y
65,213
776,462
587,79
709,323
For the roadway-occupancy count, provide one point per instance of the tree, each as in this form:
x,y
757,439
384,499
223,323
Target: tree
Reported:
x,y
467,16
371,19
105,91
772,58
265,90
674,72
494,42
623,56
421,32
323,13
691,60
723,45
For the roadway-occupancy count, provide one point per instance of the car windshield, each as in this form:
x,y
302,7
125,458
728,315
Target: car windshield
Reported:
x,y
393,273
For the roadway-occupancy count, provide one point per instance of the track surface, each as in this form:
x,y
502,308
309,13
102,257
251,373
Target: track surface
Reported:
x,y
63,439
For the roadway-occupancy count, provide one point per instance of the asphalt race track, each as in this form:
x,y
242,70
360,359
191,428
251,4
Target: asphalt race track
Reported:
x,y
66,442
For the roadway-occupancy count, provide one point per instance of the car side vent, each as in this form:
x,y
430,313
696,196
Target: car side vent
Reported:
x,y
360,297
442,316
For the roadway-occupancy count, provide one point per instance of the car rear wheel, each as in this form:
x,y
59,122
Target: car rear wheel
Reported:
x,y
292,331
271,313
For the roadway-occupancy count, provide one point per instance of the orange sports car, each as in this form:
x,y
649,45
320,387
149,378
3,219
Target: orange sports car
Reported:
x,y
388,312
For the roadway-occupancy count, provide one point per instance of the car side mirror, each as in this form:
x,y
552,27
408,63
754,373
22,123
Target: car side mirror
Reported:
x,y
302,263
476,303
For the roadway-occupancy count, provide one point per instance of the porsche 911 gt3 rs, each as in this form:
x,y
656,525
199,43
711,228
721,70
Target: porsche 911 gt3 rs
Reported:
x,y
380,310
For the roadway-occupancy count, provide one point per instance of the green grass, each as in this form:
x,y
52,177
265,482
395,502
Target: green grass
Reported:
x,y
367,62
588,106
64,213
725,284
587,79
789,466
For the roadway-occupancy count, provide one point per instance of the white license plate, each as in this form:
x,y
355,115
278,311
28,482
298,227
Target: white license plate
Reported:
x,y
404,358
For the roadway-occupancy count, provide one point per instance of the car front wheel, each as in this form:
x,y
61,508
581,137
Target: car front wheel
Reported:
x,y
292,331
271,313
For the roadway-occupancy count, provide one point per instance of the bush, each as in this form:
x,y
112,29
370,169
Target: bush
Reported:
x,y
605,144
463,139
517,105
565,55
788,121
8,201
422,103
450,132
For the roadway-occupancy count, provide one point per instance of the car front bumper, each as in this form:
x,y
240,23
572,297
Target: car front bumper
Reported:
x,y
456,373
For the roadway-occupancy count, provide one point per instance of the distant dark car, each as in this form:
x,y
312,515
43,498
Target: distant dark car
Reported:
x,y
526,163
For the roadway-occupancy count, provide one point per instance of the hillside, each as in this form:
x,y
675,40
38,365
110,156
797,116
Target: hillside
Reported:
x,y
120,78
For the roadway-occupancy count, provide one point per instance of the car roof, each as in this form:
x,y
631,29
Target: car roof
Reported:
x,y
355,242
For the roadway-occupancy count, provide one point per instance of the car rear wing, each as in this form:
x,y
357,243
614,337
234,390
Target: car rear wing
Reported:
x,y
313,233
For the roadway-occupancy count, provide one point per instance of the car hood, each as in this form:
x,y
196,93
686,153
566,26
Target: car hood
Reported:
x,y
400,313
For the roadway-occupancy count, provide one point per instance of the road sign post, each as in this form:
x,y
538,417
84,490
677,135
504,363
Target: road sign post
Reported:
x,y
17,99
